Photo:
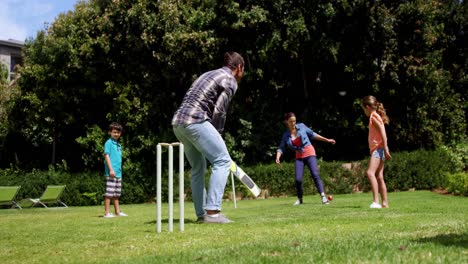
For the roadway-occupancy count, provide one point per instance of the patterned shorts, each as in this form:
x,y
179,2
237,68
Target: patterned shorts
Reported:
x,y
113,187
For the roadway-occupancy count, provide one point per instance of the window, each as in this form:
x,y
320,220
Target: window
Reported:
x,y
15,60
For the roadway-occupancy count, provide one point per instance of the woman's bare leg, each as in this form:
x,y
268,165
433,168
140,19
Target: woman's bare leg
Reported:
x,y
374,164
382,185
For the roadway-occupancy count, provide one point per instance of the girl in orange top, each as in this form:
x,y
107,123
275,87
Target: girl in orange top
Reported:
x,y
378,148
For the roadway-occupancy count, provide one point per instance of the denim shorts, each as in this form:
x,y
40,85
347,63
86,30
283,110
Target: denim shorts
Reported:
x,y
379,153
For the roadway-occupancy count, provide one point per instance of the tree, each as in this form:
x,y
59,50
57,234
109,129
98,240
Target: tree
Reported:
x,y
132,62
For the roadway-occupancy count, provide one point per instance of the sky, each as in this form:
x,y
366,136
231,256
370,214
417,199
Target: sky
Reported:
x,y
21,19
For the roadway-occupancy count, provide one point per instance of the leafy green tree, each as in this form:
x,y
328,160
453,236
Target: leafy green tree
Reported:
x,y
132,62
3,75
4,98
426,107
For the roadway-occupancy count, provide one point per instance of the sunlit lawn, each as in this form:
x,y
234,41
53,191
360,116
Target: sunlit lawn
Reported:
x,y
420,227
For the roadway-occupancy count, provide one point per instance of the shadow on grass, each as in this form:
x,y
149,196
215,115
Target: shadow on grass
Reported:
x,y
458,240
348,206
176,221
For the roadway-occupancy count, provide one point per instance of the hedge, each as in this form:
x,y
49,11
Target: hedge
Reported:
x,y
421,170
458,183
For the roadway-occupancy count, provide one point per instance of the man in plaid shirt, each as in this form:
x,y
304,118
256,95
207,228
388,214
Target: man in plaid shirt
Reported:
x,y
198,124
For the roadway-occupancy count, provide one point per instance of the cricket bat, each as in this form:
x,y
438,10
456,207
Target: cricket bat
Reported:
x,y
245,179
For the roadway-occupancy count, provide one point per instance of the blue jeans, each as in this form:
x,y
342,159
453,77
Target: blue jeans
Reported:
x,y
311,163
203,142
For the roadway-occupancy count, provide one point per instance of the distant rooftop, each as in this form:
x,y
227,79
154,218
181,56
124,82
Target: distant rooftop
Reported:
x,y
12,43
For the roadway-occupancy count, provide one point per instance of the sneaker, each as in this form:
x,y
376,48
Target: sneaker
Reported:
x,y
109,215
298,202
216,219
122,214
325,200
375,205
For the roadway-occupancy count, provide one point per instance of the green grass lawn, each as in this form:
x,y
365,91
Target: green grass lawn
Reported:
x,y
420,227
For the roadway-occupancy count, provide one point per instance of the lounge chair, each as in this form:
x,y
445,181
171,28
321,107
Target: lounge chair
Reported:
x,y
8,195
50,196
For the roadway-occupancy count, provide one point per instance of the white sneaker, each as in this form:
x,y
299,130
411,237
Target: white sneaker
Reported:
x,y
298,202
325,200
122,214
375,205
109,215
216,219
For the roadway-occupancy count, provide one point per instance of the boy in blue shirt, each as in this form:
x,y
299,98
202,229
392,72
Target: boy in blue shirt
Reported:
x,y
113,170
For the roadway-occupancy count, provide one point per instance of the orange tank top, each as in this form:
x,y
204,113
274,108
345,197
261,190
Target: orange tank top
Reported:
x,y
375,138
308,150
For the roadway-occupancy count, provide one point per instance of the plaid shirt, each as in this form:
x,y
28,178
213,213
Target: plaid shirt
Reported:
x,y
207,99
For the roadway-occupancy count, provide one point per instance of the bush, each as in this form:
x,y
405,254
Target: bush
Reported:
x,y
34,183
336,178
82,189
279,180
458,155
86,188
458,183
419,169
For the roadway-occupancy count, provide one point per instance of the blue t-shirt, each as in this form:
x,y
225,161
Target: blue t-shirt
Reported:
x,y
114,150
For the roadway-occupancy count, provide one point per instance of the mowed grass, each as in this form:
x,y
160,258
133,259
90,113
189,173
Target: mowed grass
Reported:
x,y
420,227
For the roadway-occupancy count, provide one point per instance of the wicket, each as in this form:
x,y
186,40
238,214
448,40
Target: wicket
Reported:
x,y
170,185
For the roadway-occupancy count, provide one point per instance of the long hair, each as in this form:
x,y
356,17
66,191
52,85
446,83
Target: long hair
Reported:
x,y
377,106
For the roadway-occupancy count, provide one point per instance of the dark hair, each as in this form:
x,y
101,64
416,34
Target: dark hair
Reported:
x,y
233,59
116,126
377,106
287,116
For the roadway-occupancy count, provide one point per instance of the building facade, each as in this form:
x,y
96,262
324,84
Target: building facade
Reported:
x,y
10,55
